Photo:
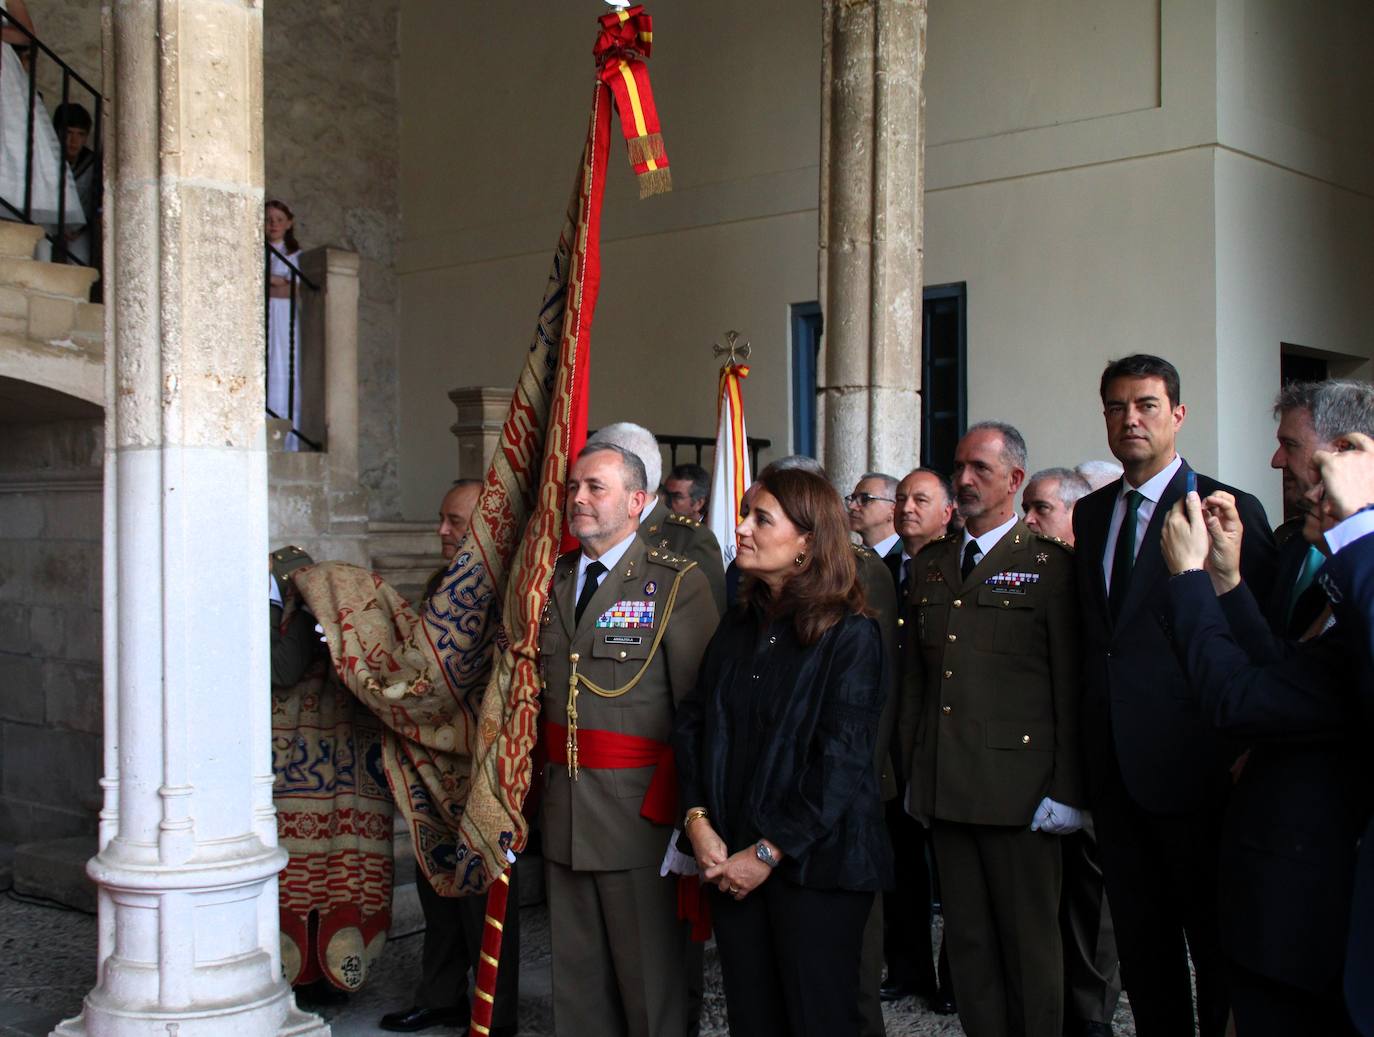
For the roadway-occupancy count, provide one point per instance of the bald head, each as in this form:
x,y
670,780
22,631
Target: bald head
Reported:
x,y
455,514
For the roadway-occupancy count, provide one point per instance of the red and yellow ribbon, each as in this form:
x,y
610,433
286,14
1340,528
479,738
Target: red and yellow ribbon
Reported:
x,y
625,40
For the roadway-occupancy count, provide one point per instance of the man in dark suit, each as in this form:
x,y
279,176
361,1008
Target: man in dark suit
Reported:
x,y
871,513
1296,599
1288,842
1347,496
923,507
1158,774
995,759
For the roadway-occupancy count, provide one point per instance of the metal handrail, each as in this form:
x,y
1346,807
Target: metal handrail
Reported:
x,y
296,277
35,47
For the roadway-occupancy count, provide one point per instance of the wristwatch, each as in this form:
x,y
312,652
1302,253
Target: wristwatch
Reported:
x,y
763,853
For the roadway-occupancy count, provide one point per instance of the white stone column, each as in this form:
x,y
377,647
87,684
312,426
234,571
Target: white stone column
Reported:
x,y
872,182
188,858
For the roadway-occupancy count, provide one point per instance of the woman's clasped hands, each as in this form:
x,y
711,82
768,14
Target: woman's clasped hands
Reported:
x,y
737,874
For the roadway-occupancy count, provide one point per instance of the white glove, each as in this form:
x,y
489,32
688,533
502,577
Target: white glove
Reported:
x,y
1056,818
675,862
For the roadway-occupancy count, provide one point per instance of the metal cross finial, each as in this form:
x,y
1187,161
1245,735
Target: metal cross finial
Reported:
x,y
734,351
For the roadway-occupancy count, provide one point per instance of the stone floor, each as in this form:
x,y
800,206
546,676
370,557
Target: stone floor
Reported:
x,y
47,963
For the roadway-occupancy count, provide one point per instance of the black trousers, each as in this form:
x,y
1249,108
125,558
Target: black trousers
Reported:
x,y
1266,1007
789,958
453,940
907,907
1160,871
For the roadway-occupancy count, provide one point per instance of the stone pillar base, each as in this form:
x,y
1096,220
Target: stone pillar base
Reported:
x,y
276,1014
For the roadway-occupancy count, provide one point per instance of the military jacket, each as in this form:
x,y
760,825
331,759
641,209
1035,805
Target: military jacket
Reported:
x,y
881,597
652,613
992,680
690,539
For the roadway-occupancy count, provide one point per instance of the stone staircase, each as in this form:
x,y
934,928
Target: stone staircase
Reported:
x,y
50,335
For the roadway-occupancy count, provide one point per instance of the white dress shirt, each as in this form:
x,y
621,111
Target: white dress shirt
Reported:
x,y
1152,489
884,546
986,541
1349,529
609,559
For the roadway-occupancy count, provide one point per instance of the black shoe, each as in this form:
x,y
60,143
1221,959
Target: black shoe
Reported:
x,y
891,991
418,1018
943,1003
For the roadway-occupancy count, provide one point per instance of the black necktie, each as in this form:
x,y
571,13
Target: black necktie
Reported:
x,y
1123,558
970,550
904,585
594,571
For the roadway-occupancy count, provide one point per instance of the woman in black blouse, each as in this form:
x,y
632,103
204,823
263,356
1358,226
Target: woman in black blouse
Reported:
x,y
775,753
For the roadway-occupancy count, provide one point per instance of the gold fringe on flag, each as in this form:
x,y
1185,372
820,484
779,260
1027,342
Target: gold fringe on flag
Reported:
x,y
655,181
648,148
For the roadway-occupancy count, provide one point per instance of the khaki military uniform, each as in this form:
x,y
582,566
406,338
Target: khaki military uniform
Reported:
x,y
687,538
994,690
618,946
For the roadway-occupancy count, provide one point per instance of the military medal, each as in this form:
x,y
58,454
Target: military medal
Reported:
x,y
1042,558
1012,582
627,615
651,588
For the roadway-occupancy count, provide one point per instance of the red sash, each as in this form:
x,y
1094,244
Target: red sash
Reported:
x,y
611,751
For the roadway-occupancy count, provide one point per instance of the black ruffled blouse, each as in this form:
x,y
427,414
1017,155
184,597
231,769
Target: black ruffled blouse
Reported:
x,y
777,741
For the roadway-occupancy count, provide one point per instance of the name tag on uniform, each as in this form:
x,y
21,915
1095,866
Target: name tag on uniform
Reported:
x,y
627,615
622,639
1012,582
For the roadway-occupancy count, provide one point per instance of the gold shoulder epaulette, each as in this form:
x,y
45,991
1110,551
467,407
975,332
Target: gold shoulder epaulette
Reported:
x,y
669,560
1060,541
685,520
861,550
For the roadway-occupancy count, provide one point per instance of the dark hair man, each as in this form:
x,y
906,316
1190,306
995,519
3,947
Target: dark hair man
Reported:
x,y
995,764
1158,774
453,925
686,490
624,632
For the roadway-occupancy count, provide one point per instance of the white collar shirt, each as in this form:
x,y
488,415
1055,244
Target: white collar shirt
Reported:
x,y
884,547
1151,490
609,558
985,541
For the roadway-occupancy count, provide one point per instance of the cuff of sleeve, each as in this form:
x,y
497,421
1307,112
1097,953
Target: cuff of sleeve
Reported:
x,y
1348,530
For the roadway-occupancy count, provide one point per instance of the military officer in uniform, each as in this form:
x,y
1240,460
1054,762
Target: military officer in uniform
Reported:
x,y
660,528
622,637
995,767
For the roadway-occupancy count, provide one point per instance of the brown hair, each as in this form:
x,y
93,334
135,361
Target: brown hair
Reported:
x,y
825,588
289,238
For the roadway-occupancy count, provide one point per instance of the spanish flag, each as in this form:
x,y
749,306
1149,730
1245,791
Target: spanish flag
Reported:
x,y
730,476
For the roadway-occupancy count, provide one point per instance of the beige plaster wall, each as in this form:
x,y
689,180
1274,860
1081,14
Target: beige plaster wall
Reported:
x,y
731,247
1068,270
1295,261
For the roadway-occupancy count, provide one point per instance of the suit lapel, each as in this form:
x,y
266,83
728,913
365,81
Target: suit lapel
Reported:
x,y
1093,547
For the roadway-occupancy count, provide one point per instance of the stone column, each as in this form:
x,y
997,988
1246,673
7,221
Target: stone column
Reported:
x,y
329,330
481,413
188,860
872,182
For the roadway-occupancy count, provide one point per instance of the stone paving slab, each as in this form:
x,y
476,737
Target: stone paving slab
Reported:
x,y
47,964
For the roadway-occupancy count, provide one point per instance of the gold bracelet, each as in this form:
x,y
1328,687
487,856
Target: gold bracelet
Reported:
x,y
695,814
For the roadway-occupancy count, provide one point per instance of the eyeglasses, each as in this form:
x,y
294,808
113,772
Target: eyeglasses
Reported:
x,y
863,500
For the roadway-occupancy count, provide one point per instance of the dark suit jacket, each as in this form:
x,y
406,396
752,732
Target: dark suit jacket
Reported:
x,y
1292,553
1350,577
1138,714
1287,854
